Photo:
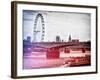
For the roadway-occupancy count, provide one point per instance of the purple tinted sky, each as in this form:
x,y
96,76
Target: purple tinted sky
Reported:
x,y
59,23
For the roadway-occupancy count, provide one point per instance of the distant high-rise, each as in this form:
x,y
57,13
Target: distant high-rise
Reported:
x,y
58,39
69,39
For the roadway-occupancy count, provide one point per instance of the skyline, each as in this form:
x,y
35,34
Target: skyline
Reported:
x,y
53,20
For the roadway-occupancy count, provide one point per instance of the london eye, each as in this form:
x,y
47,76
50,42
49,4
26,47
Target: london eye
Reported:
x,y
39,28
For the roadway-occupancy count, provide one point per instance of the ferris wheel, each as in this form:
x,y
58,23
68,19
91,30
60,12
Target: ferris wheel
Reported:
x,y
39,28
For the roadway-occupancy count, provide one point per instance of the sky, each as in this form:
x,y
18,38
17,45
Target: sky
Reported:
x,y
62,24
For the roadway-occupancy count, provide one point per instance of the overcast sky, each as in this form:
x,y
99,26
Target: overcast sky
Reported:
x,y
58,23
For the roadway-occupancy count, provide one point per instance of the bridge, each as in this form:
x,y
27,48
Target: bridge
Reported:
x,y
53,49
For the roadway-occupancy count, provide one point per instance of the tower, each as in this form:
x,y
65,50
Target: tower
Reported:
x,y
58,39
69,39
28,38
